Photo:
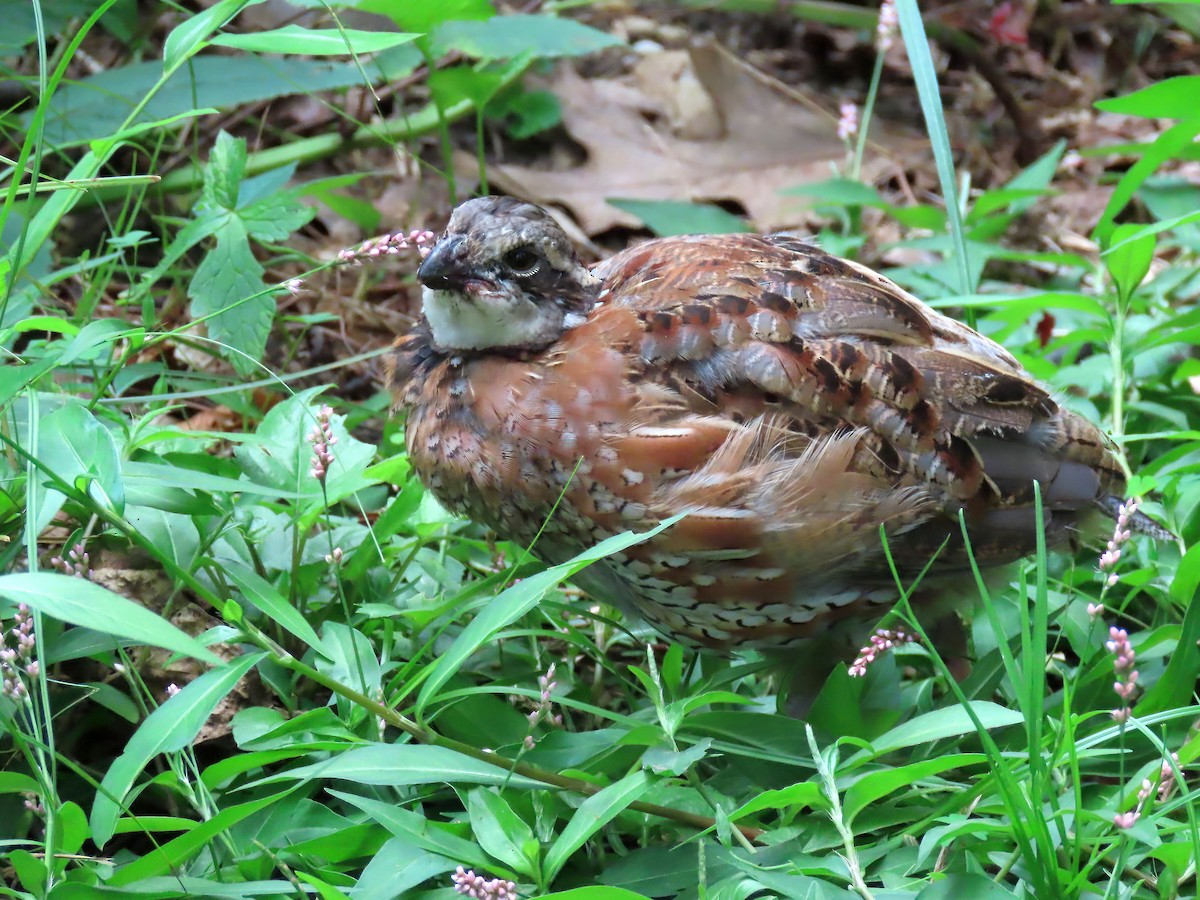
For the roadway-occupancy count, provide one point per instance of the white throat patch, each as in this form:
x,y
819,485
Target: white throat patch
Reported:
x,y
461,322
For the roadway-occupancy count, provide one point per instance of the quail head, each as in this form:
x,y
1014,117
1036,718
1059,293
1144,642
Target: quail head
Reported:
x,y
792,404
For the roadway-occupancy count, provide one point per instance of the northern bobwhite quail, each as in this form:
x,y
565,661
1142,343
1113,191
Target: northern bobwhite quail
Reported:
x,y
790,402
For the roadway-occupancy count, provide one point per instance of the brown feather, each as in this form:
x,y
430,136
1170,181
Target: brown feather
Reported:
x,y
791,403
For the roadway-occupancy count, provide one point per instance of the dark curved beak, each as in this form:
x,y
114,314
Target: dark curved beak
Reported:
x,y
442,269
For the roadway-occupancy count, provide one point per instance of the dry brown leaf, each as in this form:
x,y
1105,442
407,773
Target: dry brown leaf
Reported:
x,y
651,135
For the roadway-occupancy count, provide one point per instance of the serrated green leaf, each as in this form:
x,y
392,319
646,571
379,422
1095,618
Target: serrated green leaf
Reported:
x,y
227,291
275,218
223,174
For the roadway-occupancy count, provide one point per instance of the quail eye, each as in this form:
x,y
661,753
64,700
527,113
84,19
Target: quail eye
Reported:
x,y
522,261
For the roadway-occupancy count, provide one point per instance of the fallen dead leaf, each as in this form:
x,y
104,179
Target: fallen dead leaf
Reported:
x,y
697,125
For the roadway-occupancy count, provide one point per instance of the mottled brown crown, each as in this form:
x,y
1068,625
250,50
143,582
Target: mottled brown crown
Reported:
x,y
484,235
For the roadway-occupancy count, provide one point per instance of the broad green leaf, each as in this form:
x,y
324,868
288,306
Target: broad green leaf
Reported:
x,y
16,783
1175,687
405,764
170,728
1167,145
314,41
82,452
141,474
513,603
173,535
670,217
422,16
261,594
31,871
430,835
20,26
876,785
501,832
662,760
94,335
595,893
848,192
324,889
350,658
1129,263
961,885
154,824
80,602
280,456
74,825
455,83
397,868
806,793
593,814
1172,98
168,857
189,36
937,725
1002,198
98,105
527,113
159,887
1137,232
507,37
841,191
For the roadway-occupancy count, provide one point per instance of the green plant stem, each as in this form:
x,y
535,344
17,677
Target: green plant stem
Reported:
x,y
835,815
1117,356
864,126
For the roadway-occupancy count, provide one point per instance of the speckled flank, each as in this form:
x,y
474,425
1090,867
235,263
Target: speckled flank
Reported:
x,y
790,402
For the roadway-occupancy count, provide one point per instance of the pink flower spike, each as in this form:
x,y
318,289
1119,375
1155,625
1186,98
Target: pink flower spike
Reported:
x,y
889,24
1126,819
